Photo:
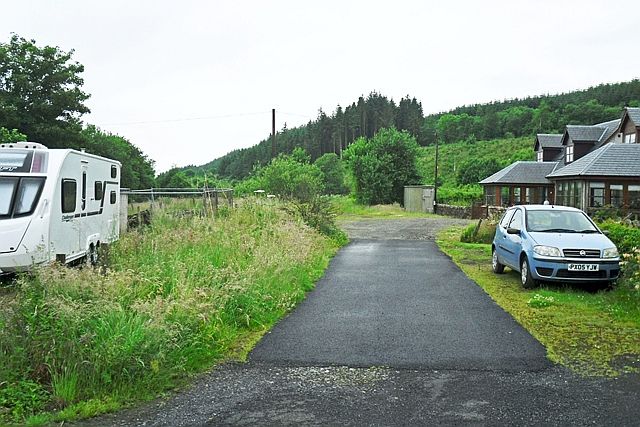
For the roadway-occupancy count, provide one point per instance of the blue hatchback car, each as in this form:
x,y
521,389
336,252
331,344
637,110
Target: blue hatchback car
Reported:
x,y
553,243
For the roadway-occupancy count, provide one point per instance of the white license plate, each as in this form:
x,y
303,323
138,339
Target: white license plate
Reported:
x,y
583,267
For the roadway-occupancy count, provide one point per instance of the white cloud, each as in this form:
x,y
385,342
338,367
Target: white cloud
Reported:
x,y
148,61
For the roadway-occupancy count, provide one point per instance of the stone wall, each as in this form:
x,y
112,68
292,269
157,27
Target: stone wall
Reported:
x,y
455,211
465,212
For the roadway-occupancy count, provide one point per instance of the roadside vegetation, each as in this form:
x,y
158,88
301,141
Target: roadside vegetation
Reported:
x,y
347,208
173,299
591,331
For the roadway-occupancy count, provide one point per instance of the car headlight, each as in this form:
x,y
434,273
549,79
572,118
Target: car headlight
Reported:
x,y
547,251
611,253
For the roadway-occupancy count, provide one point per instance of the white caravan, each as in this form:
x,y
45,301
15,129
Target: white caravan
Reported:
x,y
56,204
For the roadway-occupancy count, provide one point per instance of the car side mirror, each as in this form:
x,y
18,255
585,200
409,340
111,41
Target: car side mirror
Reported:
x,y
513,231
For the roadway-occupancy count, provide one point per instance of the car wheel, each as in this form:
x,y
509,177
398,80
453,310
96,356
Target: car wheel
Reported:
x,y
528,282
495,264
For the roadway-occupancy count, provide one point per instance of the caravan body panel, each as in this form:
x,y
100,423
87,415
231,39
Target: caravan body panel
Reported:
x,y
55,204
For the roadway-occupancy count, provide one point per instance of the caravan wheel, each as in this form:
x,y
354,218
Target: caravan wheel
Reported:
x,y
93,255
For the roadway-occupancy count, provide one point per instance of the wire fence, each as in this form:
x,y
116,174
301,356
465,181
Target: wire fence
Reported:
x,y
137,206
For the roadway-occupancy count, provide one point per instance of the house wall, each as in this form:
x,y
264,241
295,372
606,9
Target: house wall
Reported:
x,y
581,149
584,201
550,154
629,127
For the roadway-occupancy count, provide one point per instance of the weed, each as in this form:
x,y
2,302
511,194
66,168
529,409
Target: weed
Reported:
x,y
183,293
540,301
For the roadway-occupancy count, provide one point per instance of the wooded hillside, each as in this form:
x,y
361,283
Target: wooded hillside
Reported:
x,y
503,119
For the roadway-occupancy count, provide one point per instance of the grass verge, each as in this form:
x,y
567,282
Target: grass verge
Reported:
x,y
178,296
348,209
592,333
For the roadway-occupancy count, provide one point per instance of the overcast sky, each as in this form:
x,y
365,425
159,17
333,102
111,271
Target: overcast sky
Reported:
x,y
188,81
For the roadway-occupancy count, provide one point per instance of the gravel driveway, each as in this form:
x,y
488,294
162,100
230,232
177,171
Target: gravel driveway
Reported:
x,y
394,334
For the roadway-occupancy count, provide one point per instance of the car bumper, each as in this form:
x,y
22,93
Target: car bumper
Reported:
x,y
558,271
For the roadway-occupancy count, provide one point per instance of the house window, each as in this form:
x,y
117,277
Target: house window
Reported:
x,y
569,154
596,194
634,196
489,195
615,193
540,156
561,193
527,195
576,195
504,196
516,196
69,192
630,138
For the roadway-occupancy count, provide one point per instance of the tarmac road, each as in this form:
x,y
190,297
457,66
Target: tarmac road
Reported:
x,y
394,334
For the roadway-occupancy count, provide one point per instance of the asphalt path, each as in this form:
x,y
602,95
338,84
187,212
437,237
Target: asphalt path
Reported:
x,y
400,304
394,334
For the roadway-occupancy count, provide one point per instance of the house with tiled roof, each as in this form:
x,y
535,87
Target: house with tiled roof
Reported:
x,y
586,167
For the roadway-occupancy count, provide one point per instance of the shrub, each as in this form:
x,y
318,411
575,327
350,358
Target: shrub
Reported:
x,y
482,232
625,237
382,166
607,212
291,178
460,196
333,173
320,213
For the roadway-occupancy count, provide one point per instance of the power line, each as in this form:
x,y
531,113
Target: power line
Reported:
x,y
186,119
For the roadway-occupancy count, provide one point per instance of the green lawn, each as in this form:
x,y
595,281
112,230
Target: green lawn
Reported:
x,y
347,208
592,333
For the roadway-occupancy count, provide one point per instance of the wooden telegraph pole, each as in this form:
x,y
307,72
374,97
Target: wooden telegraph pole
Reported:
x,y
273,133
435,181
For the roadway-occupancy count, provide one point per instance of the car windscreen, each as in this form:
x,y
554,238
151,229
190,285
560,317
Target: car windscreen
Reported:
x,y
559,221
19,196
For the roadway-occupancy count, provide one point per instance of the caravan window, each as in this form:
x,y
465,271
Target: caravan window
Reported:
x,y
97,190
112,198
19,196
7,188
15,161
84,190
114,171
28,195
68,195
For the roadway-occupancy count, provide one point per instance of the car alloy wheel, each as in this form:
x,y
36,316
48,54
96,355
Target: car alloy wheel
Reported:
x,y
495,264
528,282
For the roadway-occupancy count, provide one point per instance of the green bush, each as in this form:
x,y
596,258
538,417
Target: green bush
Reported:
x,y
320,214
464,195
625,237
292,177
382,166
481,232
333,174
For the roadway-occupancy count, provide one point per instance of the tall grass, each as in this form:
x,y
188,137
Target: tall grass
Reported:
x,y
177,296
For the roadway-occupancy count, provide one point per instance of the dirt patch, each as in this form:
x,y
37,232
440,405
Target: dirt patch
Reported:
x,y
402,229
